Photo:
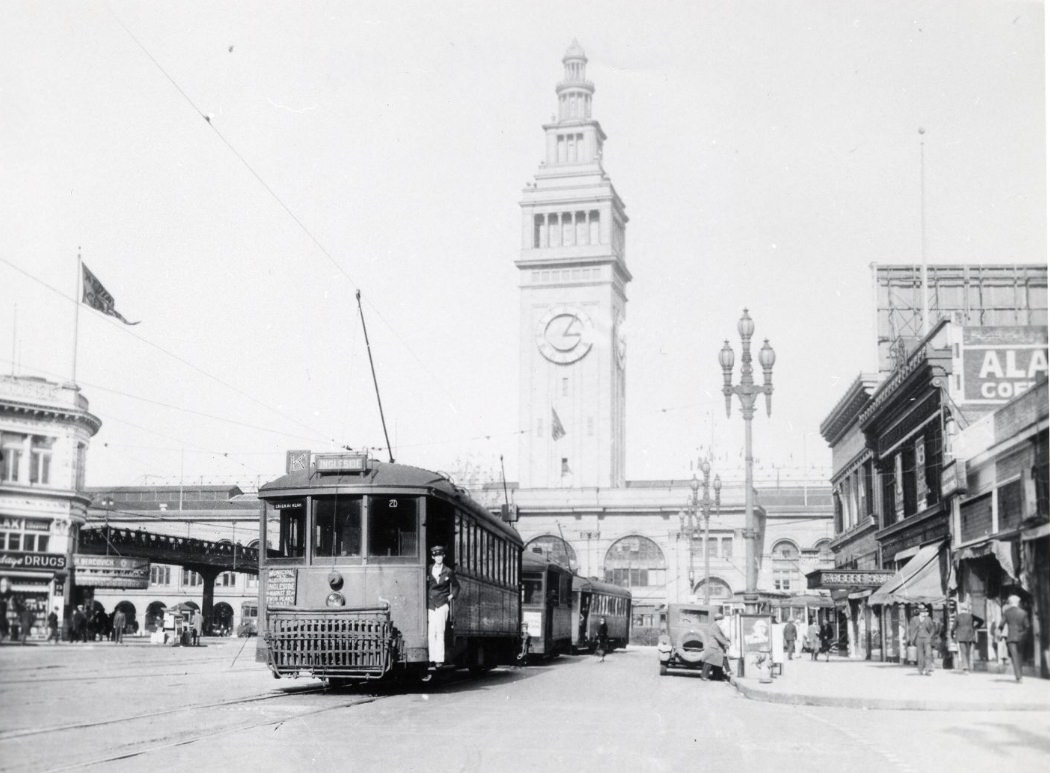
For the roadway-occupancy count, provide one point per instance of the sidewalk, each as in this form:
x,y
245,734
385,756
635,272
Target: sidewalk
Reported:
x,y
874,685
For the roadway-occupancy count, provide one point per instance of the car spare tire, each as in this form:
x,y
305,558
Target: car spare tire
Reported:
x,y
690,647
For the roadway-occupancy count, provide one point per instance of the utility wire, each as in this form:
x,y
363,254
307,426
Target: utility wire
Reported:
x,y
177,358
280,202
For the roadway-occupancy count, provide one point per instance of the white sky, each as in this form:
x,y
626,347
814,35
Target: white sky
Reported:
x,y
767,153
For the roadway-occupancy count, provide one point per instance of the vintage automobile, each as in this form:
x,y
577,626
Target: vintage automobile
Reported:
x,y
681,643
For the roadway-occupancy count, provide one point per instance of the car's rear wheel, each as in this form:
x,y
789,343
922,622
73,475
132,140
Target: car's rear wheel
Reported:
x,y
663,669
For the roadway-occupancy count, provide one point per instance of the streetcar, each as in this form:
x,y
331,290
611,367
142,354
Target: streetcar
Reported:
x,y
249,625
342,581
546,606
592,600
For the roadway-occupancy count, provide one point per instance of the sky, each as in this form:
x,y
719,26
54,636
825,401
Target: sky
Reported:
x,y
235,173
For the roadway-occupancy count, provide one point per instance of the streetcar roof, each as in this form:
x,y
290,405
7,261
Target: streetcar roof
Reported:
x,y
536,562
593,584
381,475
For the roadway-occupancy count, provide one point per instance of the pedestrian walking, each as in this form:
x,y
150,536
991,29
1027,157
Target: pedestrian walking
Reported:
x,y
790,636
603,640
1015,625
52,626
964,632
25,620
119,621
76,627
921,631
827,636
813,639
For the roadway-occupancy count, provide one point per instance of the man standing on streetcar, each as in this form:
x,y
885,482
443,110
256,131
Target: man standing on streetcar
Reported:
x,y
442,587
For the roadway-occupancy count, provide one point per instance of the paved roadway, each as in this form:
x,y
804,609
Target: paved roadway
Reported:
x,y
134,708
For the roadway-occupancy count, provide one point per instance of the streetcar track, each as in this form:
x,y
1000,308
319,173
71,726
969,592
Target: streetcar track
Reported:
x,y
14,734
161,745
109,676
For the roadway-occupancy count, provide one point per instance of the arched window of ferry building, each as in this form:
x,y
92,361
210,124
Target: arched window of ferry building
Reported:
x,y
553,548
635,562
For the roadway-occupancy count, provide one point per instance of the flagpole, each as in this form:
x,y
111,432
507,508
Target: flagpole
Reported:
x,y
76,314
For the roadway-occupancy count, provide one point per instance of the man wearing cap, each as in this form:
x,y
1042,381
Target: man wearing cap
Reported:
x,y
442,588
1015,620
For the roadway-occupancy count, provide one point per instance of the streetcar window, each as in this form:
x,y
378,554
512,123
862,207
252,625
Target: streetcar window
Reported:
x,y
337,526
532,590
292,529
392,526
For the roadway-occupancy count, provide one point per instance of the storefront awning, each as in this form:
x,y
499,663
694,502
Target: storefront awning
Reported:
x,y
999,549
918,582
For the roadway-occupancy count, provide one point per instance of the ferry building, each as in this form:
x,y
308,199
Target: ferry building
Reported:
x,y
572,499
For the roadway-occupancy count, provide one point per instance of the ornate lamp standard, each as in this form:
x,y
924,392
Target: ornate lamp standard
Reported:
x,y
707,522
701,506
747,390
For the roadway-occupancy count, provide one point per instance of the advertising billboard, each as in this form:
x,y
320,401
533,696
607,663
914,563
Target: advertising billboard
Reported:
x,y
999,363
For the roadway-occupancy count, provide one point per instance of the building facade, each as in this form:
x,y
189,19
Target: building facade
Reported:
x,y
188,519
572,498
938,469
45,430
573,279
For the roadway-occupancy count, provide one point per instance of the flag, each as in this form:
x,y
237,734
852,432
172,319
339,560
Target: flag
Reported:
x,y
97,297
557,430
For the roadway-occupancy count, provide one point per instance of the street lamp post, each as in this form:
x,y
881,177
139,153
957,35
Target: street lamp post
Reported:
x,y
707,523
747,390
701,506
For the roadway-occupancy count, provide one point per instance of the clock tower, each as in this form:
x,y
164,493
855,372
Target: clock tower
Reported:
x,y
573,280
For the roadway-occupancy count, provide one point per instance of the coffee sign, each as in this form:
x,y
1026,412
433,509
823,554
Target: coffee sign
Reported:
x,y
1000,363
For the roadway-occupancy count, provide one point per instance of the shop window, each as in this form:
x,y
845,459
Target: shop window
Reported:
x,y
727,548
40,460
12,447
635,562
1011,505
975,518
26,535
159,575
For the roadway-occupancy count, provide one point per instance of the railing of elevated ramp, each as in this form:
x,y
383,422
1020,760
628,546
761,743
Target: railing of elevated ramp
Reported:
x,y
168,548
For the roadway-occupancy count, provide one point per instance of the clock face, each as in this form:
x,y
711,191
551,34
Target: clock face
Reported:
x,y
564,335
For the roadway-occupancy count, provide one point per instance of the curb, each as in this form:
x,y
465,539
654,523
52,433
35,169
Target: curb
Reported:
x,y
878,704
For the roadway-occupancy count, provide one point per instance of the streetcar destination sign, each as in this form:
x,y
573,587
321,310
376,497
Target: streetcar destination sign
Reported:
x,y
341,462
280,588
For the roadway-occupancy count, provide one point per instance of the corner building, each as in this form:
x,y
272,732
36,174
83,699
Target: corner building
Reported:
x,y
45,429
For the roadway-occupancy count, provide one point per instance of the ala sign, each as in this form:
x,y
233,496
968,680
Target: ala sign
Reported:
x,y
1000,363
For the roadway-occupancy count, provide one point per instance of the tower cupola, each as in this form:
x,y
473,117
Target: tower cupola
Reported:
x,y
574,91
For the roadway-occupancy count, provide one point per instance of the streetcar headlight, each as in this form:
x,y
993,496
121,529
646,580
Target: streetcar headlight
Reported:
x,y
335,600
335,580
